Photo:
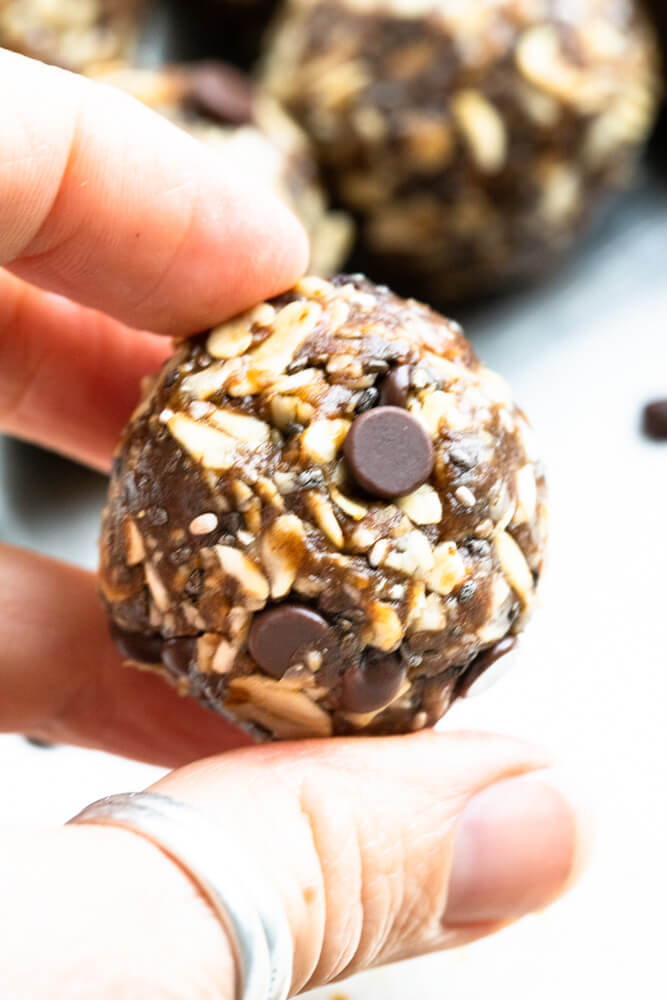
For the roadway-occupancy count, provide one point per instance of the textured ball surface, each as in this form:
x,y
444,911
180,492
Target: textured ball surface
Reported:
x,y
473,141
241,556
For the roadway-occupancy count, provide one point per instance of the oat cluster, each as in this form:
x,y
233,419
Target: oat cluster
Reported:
x,y
242,557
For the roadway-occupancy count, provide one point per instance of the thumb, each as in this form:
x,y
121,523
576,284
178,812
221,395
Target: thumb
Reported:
x,y
386,849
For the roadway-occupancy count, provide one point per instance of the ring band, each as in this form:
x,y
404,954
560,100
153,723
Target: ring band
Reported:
x,y
249,910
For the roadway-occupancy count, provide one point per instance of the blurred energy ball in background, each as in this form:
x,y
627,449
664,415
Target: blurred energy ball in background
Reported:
x,y
71,33
474,141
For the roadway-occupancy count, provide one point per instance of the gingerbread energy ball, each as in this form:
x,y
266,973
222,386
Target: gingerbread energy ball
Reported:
x,y
219,106
473,140
70,33
325,516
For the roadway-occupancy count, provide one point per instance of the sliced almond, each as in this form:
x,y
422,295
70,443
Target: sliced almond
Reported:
x,y
240,426
208,381
135,551
292,326
158,590
526,492
325,517
210,447
268,491
515,567
253,584
229,340
282,551
282,703
287,410
321,440
357,511
423,506
234,337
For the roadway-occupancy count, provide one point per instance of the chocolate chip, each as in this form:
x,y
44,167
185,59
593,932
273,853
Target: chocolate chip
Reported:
x,y
144,647
179,654
220,92
373,684
654,420
482,663
396,386
279,635
388,452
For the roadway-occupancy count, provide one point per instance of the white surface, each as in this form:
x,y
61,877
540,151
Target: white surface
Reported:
x,y
583,355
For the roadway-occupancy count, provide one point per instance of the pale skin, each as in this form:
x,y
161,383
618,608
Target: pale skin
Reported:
x,y
112,222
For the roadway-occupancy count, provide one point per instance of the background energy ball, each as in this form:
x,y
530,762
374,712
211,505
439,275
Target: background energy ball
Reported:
x,y
325,516
219,105
473,140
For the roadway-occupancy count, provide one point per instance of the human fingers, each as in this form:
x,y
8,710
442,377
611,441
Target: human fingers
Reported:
x,y
135,218
69,376
389,848
62,678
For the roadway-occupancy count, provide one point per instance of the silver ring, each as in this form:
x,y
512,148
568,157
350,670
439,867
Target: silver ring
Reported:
x,y
249,910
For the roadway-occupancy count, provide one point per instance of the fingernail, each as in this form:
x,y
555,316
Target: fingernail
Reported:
x,y
516,847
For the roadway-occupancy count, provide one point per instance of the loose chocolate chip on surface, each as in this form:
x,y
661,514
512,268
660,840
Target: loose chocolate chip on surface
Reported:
x,y
373,684
654,420
136,645
178,654
388,452
396,386
278,635
482,663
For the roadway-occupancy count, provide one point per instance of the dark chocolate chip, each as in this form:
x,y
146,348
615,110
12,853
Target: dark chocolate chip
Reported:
x,y
178,655
388,452
220,92
141,646
654,420
373,684
280,634
396,386
482,663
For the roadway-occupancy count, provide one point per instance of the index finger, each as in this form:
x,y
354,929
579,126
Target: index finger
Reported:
x,y
105,202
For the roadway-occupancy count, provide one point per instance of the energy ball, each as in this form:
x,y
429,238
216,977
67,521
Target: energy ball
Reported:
x,y
70,33
219,106
325,517
473,141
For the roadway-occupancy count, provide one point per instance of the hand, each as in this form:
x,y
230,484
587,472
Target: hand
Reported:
x,y
379,849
